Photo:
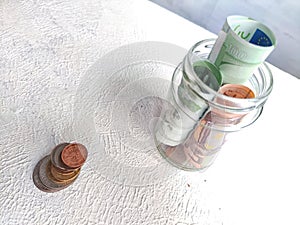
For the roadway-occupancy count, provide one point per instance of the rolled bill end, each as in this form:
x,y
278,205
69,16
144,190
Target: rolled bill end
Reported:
x,y
242,45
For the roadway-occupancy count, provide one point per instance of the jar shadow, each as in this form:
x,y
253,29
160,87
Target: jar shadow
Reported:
x,y
116,109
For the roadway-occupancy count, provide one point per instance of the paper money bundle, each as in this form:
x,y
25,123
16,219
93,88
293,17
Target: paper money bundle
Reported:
x,y
242,45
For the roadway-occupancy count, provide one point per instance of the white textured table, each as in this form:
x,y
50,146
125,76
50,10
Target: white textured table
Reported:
x,y
46,49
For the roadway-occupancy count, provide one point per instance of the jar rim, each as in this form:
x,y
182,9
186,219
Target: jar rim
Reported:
x,y
262,69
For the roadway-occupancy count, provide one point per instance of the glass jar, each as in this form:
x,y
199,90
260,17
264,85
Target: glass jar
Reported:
x,y
203,110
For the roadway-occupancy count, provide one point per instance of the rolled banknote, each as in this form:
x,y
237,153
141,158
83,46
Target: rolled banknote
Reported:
x,y
242,45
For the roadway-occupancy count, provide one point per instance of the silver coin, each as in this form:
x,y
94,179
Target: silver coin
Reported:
x,y
56,158
36,179
44,178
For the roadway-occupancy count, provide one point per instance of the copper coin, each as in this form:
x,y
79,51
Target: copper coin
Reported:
x,y
45,179
63,176
74,155
56,158
233,91
236,91
36,179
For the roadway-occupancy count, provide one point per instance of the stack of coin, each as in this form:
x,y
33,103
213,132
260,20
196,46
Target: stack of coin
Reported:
x,y
61,168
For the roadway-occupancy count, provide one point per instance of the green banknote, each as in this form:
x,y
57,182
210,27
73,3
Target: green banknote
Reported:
x,y
189,101
242,45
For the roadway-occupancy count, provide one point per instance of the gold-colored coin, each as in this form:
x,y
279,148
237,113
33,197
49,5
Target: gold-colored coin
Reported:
x,y
62,176
47,180
58,181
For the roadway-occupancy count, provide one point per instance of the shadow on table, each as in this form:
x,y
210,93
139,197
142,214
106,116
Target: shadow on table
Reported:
x,y
116,106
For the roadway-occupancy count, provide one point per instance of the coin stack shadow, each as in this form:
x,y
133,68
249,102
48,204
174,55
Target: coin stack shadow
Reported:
x,y
60,169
